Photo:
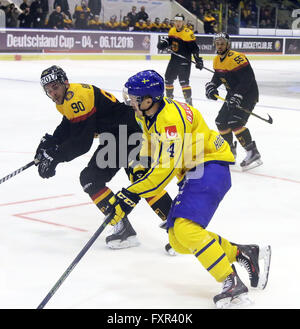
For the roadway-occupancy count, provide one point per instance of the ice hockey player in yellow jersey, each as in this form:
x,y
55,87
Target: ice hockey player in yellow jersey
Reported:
x,y
182,41
233,70
181,144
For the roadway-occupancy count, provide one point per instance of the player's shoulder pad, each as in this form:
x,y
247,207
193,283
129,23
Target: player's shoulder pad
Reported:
x,y
169,122
236,60
172,31
79,102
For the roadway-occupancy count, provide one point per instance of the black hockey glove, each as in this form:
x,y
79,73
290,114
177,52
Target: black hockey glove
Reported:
x,y
47,141
122,204
235,101
162,45
211,90
138,169
46,162
199,61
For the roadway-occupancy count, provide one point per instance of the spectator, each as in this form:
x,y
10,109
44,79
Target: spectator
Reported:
x,y
56,19
11,16
148,25
94,23
165,25
142,14
95,7
64,5
156,26
124,26
25,19
209,23
82,14
68,23
132,15
140,26
45,11
37,14
24,5
112,25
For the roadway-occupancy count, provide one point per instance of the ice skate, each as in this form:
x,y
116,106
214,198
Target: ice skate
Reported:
x,y
124,236
248,256
253,158
170,251
234,292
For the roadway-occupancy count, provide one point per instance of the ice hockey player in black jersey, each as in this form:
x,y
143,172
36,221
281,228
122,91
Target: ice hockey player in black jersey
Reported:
x,y
88,110
233,70
182,41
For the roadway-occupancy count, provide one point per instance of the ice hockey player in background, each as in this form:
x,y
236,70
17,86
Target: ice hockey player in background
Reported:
x,y
185,147
233,70
183,42
88,110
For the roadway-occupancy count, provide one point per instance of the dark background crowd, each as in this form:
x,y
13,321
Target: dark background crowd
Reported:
x,y
215,15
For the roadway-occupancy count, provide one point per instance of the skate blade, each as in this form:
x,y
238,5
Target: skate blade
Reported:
x,y
130,242
252,165
240,301
265,255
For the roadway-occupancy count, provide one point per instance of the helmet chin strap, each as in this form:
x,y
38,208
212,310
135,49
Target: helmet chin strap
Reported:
x,y
145,110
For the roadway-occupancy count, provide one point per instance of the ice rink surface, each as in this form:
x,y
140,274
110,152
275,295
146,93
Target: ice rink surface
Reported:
x,y
45,223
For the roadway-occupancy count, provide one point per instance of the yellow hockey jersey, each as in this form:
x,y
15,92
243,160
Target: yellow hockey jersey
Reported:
x,y
182,42
178,139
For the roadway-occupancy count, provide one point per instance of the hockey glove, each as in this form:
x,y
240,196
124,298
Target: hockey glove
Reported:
x,y
235,101
211,90
199,61
138,169
162,45
122,204
46,162
46,142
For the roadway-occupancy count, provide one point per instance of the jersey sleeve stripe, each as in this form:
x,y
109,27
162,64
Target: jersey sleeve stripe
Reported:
x,y
240,66
84,117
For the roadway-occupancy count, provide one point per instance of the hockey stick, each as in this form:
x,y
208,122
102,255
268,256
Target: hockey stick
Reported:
x,y
269,120
107,219
189,60
16,172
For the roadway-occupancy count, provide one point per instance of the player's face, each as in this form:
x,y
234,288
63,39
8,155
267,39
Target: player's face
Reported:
x,y
178,25
140,106
56,91
221,46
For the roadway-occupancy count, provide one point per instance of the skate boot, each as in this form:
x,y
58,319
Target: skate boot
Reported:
x,y
248,256
234,292
170,251
252,159
124,236
233,147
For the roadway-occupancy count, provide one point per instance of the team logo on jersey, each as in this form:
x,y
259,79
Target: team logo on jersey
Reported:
x,y
171,132
69,95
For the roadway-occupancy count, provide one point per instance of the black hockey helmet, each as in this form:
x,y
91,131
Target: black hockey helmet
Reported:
x,y
179,17
221,35
51,74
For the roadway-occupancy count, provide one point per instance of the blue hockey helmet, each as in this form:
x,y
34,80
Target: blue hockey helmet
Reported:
x,y
147,83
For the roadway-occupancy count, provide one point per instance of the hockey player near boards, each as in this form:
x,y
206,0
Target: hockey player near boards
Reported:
x,y
233,70
88,110
182,145
183,42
